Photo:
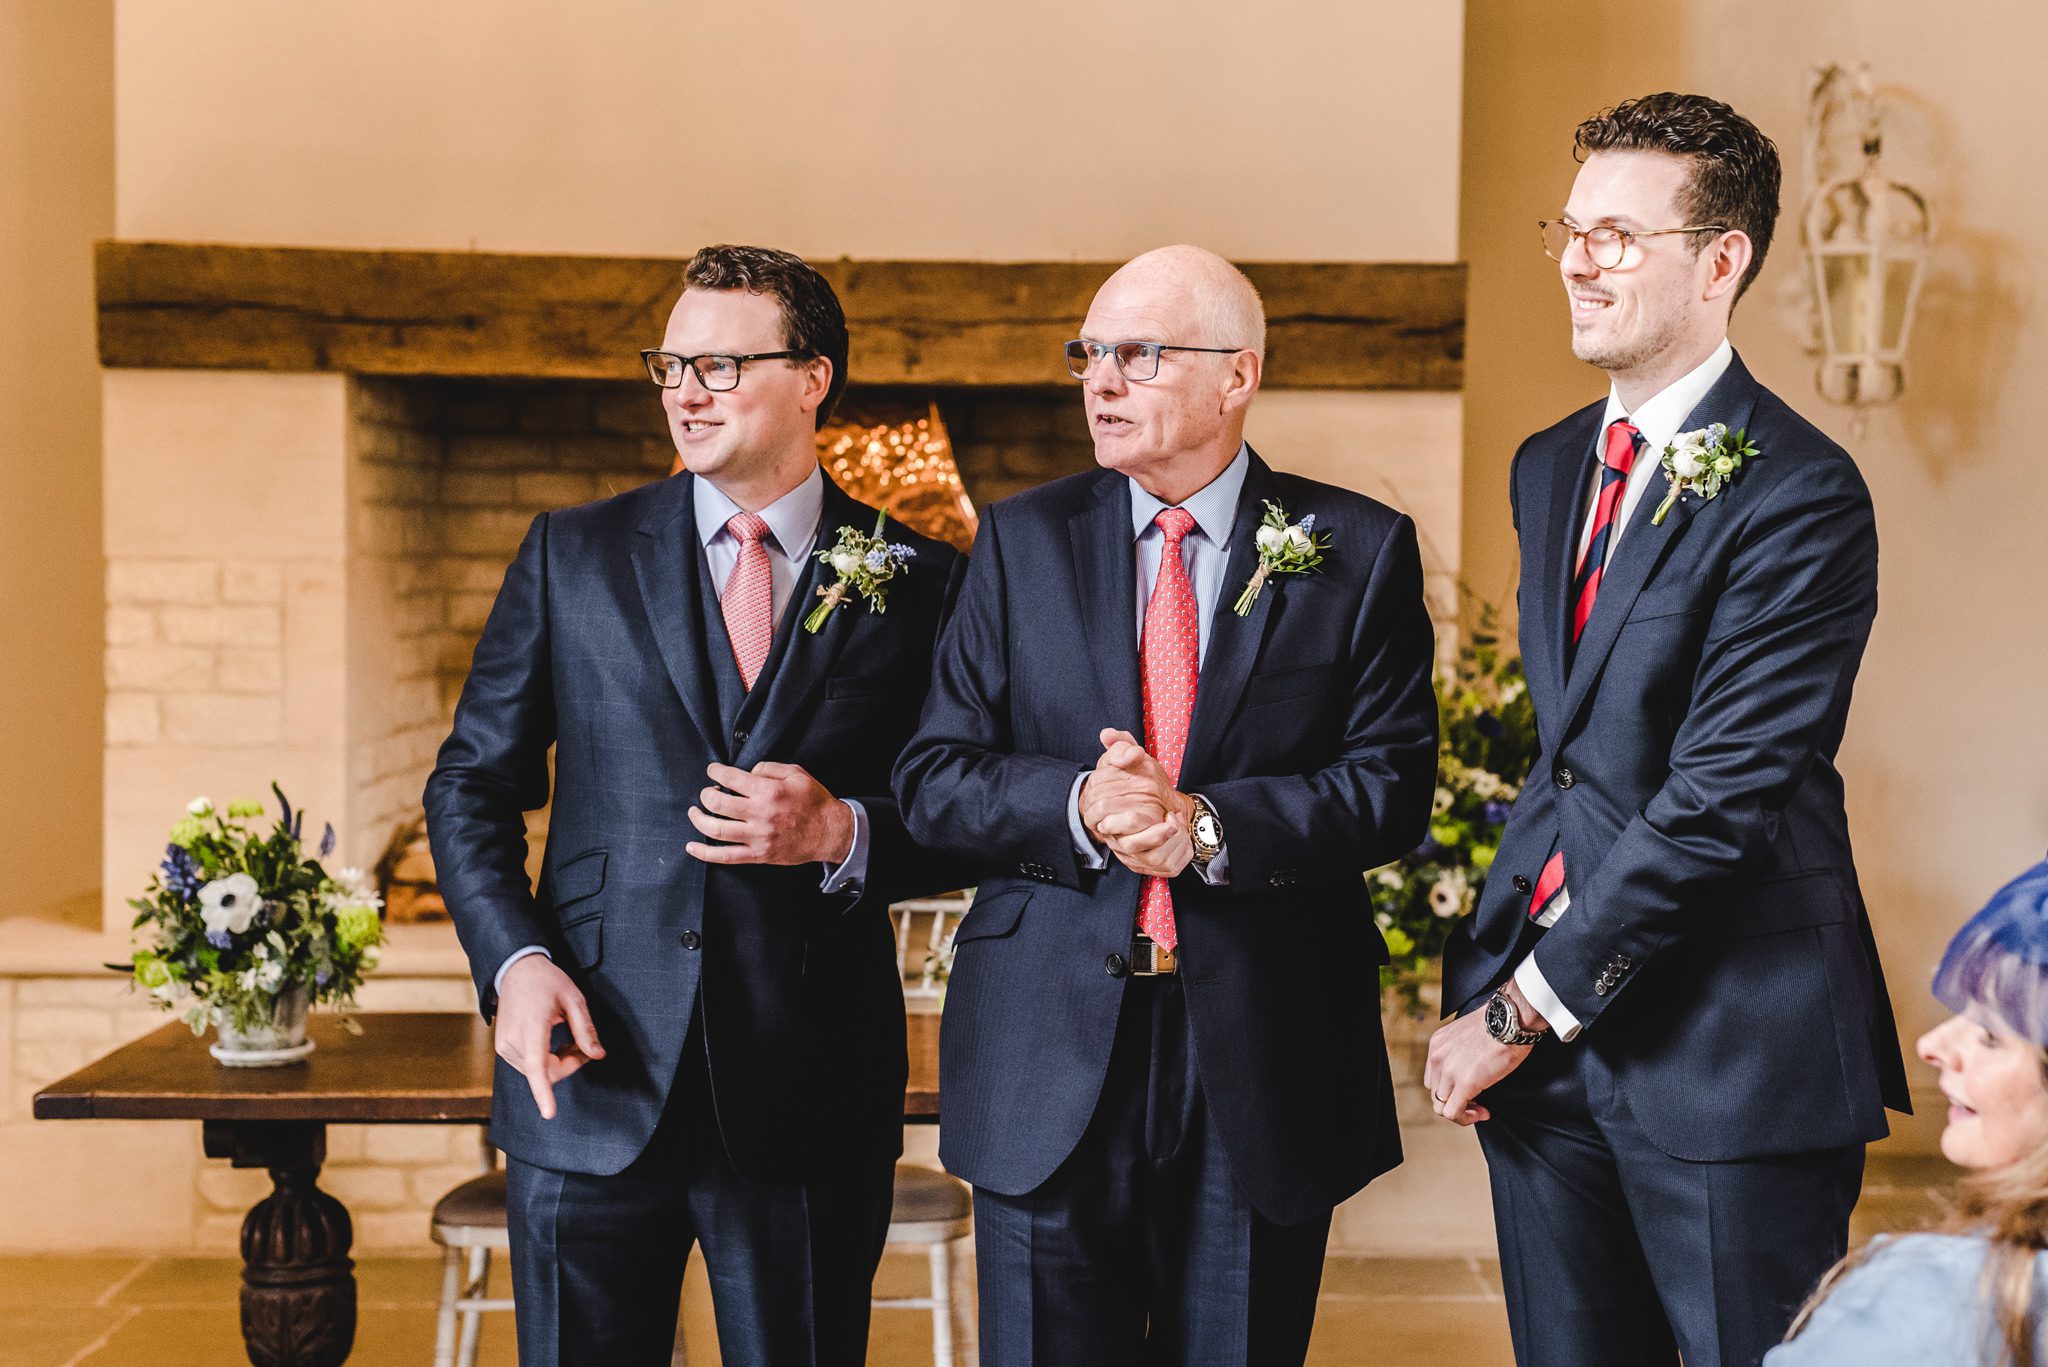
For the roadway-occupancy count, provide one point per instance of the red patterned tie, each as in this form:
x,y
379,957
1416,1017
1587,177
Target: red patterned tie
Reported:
x,y
1171,652
1616,459
749,599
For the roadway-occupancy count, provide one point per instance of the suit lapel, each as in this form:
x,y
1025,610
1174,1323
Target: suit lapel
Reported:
x,y
803,663
1548,560
665,565
1234,641
1106,583
1644,546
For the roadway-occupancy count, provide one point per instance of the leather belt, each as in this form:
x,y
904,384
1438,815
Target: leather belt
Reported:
x,y
1150,959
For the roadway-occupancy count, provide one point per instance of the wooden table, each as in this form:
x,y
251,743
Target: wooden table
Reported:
x,y
407,1067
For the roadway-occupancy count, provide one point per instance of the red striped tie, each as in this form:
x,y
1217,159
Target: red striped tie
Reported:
x,y
1616,460
1171,654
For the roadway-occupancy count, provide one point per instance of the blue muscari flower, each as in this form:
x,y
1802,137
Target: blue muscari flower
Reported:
x,y
1308,524
876,560
1496,813
322,978
219,939
327,841
901,551
181,875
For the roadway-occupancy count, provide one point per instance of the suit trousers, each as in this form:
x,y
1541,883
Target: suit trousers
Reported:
x,y
1616,1254
597,1262
1140,1248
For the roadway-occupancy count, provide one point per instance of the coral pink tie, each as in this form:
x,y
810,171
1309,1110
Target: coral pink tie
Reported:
x,y
1170,650
749,599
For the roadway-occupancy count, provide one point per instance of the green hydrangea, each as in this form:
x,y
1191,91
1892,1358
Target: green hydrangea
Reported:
x,y
187,832
244,806
150,971
356,927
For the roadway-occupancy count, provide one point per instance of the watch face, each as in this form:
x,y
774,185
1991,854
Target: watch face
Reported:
x,y
1497,1018
1208,830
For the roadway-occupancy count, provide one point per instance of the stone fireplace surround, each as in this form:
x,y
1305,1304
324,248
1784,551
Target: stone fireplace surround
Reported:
x,y
316,467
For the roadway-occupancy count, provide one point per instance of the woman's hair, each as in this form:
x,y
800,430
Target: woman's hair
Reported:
x,y
2008,1208
1995,972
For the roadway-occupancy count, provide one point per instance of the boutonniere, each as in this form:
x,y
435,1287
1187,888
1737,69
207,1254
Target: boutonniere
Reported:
x,y
1700,462
865,565
1284,548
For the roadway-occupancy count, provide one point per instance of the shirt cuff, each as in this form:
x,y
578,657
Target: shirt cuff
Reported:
x,y
1536,988
1093,856
850,873
498,983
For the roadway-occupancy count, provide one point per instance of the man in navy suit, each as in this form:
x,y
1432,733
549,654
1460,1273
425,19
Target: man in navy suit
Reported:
x,y
1161,1059
1673,1030
699,1017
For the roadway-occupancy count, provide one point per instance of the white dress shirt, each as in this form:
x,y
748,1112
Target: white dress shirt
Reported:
x,y
792,529
1658,419
1206,554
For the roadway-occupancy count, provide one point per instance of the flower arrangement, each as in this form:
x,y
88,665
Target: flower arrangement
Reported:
x,y
865,565
1284,548
240,920
1486,743
1700,462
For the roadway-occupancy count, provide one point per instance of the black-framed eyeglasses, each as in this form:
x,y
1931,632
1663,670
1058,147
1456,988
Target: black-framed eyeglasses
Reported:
x,y
1606,246
1139,361
714,372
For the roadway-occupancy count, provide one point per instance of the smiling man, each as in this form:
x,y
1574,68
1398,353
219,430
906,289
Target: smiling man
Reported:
x,y
699,1016
1673,1031
1161,1061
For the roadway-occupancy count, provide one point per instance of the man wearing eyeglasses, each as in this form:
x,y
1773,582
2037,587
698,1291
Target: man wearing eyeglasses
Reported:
x,y
1162,1062
1673,1032
699,1016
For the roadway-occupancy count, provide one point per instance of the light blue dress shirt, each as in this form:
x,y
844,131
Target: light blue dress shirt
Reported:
x,y
792,530
1206,554
1915,1302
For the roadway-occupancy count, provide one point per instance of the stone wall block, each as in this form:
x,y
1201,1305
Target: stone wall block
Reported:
x,y
223,719
162,581
251,671
131,625
159,667
251,581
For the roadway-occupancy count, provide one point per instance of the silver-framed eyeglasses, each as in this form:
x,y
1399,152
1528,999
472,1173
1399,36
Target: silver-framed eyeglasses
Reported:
x,y
1139,361
714,371
1606,246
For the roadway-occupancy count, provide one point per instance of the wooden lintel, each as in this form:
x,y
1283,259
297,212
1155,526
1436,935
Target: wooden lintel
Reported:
x,y
176,305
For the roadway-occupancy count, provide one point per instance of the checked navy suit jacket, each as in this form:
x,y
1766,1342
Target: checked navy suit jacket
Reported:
x,y
1313,736
606,643
1716,949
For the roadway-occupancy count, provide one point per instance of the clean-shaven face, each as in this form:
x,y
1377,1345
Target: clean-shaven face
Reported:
x,y
1142,427
1624,319
732,433
1997,1092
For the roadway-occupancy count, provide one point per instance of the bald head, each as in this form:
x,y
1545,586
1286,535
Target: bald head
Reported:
x,y
1196,294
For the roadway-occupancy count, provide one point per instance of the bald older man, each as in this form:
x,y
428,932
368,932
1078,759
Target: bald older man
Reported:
x,y
1162,1059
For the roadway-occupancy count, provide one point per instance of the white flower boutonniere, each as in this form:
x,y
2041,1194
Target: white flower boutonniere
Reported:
x,y
1284,548
1700,462
865,565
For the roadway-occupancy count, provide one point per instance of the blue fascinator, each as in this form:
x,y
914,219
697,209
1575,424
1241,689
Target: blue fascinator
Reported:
x,y
1998,961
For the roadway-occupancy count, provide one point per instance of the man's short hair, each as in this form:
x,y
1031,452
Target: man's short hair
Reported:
x,y
1735,173
812,320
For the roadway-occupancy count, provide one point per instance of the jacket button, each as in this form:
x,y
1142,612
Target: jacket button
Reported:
x,y
1565,778
1521,883
1115,966
740,737
691,939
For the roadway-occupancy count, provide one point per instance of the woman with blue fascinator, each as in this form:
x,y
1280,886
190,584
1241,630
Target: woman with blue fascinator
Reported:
x,y
1974,1291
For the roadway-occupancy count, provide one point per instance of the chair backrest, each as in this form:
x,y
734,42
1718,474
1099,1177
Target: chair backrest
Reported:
x,y
937,918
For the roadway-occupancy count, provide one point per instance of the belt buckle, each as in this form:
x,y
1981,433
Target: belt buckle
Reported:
x,y
1150,959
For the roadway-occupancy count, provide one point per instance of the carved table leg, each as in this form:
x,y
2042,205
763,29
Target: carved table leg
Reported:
x,y
298,1282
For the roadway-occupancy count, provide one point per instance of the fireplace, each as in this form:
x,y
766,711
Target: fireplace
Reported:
x,y
319,463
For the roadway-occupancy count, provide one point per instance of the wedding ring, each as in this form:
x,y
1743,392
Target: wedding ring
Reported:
x,y
1440,1100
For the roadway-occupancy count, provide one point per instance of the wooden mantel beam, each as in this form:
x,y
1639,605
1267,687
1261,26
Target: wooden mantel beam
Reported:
x,y
179,305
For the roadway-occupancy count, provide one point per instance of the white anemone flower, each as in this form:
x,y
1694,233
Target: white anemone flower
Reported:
x,y
229,904
1270,539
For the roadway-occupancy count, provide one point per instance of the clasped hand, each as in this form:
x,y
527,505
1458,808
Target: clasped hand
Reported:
x,y
1130,804
773,814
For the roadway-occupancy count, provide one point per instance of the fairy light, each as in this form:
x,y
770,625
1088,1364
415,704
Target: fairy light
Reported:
x,y
906,467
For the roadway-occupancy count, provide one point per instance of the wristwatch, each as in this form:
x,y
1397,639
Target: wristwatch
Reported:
x,y
1205,829
1504,1022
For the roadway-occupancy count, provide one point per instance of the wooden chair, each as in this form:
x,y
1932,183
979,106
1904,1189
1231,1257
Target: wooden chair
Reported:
x,y
469,1224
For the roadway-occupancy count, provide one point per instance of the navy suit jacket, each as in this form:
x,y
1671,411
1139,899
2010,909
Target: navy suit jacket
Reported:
x,y
1716,949
1313,735
603,644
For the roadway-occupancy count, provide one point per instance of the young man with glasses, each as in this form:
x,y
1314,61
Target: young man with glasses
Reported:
x,y
1162,1062
1672,1031
699,1016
